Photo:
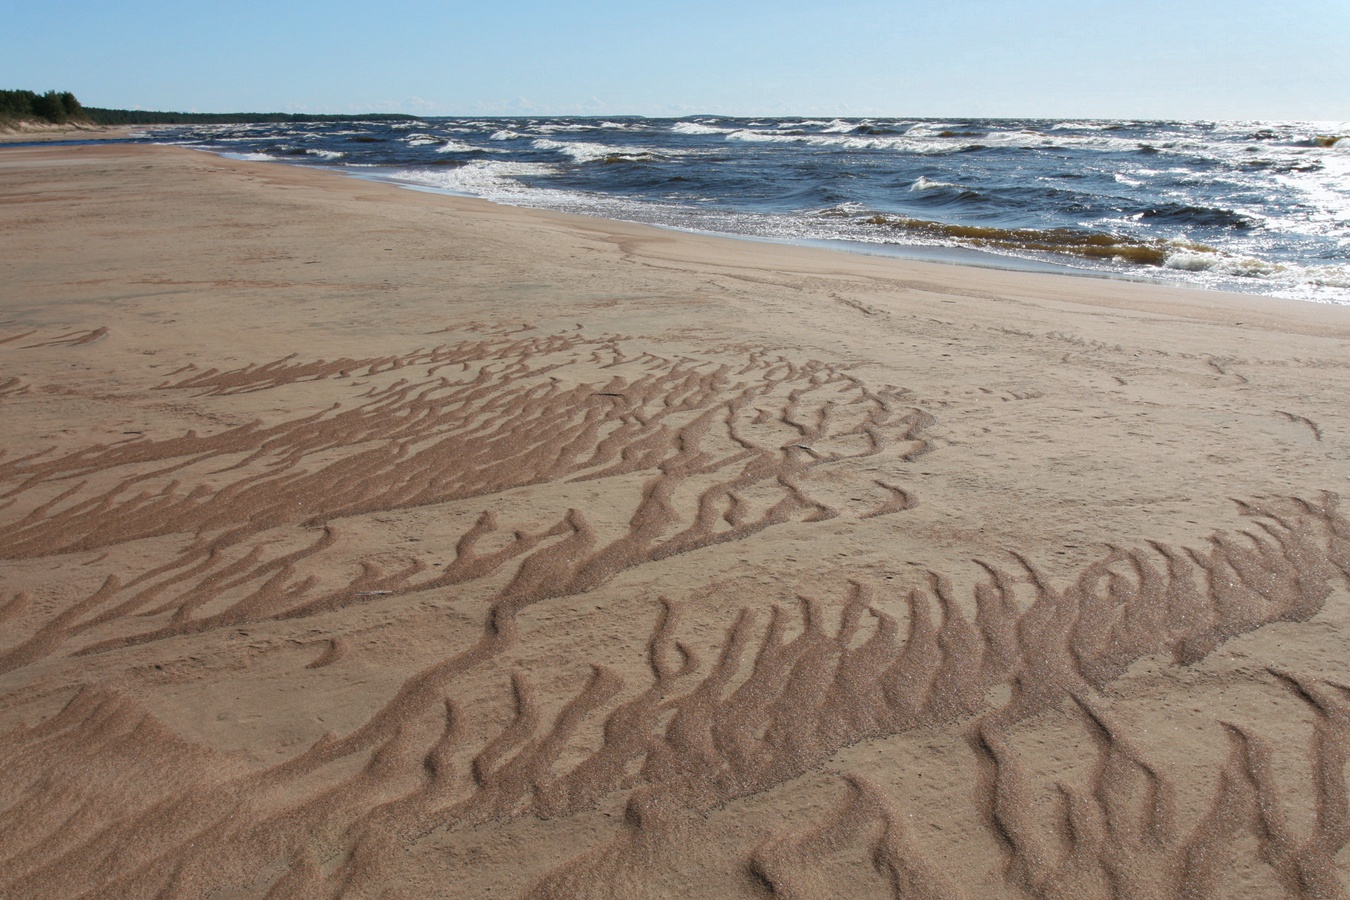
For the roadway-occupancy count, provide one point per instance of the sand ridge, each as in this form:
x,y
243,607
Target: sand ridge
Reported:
x,y
358,542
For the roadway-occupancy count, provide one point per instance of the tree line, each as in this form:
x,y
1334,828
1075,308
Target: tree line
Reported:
x,y
61,107
101,116
57,107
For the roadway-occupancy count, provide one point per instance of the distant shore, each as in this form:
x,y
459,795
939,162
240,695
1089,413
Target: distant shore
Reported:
x,y
357,540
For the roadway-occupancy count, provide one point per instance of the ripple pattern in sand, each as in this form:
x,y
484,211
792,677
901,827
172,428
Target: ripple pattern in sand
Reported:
x,y
102,799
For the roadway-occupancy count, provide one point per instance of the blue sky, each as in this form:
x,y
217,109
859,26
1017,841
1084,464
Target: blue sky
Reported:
x,y
1185,59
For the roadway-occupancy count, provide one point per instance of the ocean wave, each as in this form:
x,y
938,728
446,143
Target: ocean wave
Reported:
x,y
1088,125
929,129
838,126
1195,216
898,143
1326,283
848,209
934,140
491,179
568,127
454,146
1222,264
924,183
698,128
587,151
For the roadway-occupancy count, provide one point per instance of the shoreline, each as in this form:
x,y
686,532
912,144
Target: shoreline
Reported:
x,y
1305,273
360,538
954,256
960,257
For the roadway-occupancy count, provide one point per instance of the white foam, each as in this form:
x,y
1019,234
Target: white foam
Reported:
x,y
1084,126
839,126
505,134
697,128
588,151
1325,283
927,184
899,143
492,179
553,127
928,129
847,208
1329,276
454,146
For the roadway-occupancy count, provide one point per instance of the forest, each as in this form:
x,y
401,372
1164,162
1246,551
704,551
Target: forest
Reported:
x,y
62,107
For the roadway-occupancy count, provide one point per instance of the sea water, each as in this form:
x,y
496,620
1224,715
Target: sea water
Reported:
x,y
1261,207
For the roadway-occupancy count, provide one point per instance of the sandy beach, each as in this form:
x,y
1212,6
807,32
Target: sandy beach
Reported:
x,y
364,542
43,132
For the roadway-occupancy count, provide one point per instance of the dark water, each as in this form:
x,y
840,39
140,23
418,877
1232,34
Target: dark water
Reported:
x,y
1258,207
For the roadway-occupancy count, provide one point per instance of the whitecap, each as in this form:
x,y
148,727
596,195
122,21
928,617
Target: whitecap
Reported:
x,y
553,127
589,151
695,128
839,126
898,143
925,183
453,146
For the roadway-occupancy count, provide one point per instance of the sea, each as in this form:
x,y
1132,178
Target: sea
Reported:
x,y
1258,207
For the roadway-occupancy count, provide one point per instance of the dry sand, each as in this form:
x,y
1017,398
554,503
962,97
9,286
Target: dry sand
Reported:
x,y
42,132
368,543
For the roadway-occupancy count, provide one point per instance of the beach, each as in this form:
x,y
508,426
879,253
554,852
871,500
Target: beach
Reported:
x,y
361,541
43,132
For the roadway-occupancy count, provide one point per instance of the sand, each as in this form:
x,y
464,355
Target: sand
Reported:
x,y
364,542
23,132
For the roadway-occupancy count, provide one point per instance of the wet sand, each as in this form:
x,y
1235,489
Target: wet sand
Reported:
x,y
356,541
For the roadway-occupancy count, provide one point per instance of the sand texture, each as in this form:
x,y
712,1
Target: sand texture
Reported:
x,y
360,542
39,132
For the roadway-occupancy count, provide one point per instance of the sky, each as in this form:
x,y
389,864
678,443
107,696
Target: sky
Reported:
x,y
1149,59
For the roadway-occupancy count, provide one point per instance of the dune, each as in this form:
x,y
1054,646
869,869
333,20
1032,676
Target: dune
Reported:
x,y
364,542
